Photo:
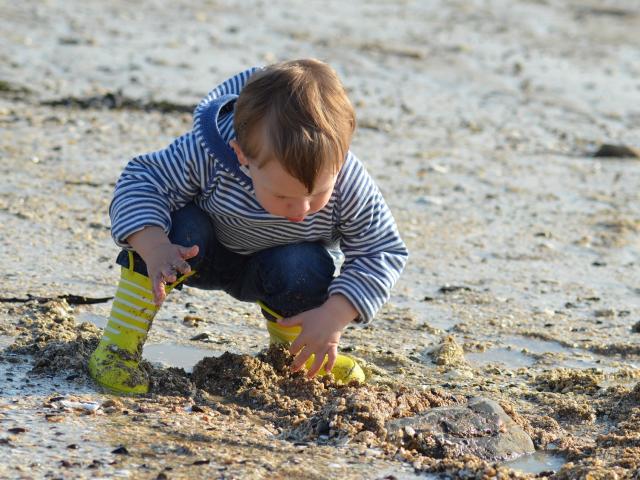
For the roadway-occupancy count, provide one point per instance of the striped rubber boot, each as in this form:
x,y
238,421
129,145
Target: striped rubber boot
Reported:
x,y
115,362
345,370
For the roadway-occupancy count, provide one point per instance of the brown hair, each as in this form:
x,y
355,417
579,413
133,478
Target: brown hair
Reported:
x,y
303,112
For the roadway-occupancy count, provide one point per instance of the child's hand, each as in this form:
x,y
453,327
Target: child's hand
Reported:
x,y
164,262
164,259
321,331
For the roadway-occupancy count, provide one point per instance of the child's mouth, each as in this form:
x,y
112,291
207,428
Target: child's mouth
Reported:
x,y
295,219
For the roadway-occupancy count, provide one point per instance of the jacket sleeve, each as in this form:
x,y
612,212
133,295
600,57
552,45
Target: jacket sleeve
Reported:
x,y
155,184
375,255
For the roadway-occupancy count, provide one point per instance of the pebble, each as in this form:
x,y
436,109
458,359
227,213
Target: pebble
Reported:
x,y
91,407
617,151
121,450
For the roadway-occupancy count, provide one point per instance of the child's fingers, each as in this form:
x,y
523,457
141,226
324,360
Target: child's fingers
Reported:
x,y
169,274
315,366
301,359
158,290
183,267
332,355
189,252
296,345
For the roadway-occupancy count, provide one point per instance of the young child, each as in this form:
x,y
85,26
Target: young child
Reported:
x,y
252,201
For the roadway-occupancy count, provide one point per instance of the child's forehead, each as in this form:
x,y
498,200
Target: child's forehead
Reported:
x,y
281,182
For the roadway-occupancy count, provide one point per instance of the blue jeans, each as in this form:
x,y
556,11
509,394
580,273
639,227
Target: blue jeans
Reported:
x,y
290,279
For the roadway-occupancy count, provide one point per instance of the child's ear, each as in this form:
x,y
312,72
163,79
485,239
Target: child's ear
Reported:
x,y
239,153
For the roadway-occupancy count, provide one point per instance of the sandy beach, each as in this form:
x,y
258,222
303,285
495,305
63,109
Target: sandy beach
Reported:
x,y
479,120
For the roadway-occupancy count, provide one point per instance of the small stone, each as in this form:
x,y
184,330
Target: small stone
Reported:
x,y
112,402
54,418
121,450
617,151
201,337
453,288
192,320
448,353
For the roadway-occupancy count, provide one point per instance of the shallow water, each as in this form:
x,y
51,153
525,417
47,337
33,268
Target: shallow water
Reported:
x,y
42,434
523,351
505,356
541,461
175,355
535,345
99,321
166,354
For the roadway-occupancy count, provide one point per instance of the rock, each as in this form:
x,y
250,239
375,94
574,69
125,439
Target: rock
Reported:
x,y
204,336
448,353
192,320
121,450
617,151
480,428
453,288
605,313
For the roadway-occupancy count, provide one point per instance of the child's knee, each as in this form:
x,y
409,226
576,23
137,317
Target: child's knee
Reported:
x,y
192,226
299,267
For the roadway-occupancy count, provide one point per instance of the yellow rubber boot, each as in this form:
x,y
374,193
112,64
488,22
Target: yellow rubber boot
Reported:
x,y
115,364
345,370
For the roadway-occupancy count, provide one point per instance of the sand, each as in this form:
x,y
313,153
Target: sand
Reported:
x,y
479,121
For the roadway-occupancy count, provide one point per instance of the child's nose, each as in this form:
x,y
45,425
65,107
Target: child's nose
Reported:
x,y
300,209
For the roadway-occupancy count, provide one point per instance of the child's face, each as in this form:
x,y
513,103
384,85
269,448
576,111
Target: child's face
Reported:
x,y
281,194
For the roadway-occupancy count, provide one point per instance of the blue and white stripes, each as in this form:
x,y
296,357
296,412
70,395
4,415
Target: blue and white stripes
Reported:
x,y
200,167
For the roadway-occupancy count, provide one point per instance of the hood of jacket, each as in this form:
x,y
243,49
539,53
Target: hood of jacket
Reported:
x,y
213,125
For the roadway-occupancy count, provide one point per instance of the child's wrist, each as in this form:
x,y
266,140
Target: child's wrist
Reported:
x,y
147,239
342,309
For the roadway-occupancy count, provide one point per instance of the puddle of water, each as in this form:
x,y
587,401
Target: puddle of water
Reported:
x,y
584,363
46,434
504,356
537,462
175,355
99,321
403,475
166,354
567,358
536,345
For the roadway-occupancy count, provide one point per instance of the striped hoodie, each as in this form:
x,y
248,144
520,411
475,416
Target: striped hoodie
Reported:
x,y
201,167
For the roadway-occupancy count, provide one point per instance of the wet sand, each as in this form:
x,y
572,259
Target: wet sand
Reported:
x,y
478,120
